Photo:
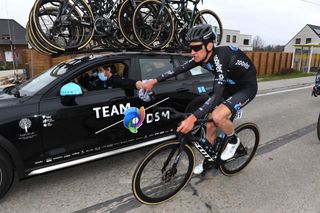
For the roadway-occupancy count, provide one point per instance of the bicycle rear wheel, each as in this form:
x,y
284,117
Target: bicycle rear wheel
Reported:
x,y
155,180
209,17
73,29
249,136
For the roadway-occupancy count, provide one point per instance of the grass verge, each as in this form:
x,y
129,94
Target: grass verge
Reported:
x,y
280,76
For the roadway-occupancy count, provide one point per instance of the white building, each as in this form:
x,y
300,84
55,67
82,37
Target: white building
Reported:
x,y
310,34
233,37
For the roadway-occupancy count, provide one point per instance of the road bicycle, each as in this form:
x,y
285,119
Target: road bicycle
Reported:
x,y
155,22
168,168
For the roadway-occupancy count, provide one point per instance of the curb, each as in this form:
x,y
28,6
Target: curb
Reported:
x,y
285,87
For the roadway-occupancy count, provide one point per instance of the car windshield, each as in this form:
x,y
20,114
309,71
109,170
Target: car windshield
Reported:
x,y
34,85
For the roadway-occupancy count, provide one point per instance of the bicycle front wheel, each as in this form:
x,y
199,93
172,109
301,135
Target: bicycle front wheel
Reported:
x,y
249,136
125,21
153,26
209,17
156,180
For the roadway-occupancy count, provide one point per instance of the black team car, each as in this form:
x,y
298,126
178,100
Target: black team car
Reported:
x,y
57,120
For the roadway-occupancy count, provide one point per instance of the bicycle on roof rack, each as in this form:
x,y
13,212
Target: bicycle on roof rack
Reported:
x,y
58,26
156,22
168,168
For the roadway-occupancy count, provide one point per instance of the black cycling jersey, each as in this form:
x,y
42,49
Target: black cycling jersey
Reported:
x,y
233,72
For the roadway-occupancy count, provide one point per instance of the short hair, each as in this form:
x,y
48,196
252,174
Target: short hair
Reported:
x,y
111,66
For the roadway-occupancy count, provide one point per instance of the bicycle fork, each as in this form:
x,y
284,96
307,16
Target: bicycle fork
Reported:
x,y
168,174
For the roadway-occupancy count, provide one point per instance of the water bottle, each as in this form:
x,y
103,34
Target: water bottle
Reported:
x,y
219,139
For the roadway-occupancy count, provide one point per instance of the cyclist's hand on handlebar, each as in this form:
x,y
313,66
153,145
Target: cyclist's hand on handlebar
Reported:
x,y
187,125
149,84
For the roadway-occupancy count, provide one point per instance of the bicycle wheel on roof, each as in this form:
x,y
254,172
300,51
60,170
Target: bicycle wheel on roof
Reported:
x,y
153,28
209,17
63,25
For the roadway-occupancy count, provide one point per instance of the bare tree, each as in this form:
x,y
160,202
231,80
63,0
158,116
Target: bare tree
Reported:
x,y
258,43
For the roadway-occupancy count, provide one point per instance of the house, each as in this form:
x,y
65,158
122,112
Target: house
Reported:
x,y
310,34
233,37
12,39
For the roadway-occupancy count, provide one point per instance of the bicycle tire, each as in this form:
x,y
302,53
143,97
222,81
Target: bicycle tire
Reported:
x,y
203,17
30,40
85,34
144,30
156,155
35,40
125,15
318,128
237,163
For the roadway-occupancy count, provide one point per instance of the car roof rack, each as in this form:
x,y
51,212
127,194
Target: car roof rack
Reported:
x,y
122,49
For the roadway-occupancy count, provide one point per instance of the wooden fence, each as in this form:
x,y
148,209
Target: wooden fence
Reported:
x,y
266,62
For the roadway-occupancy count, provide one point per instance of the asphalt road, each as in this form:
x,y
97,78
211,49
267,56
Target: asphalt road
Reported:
x,y
283,176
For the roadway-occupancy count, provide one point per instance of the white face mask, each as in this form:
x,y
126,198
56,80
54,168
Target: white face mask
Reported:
x,y
102,77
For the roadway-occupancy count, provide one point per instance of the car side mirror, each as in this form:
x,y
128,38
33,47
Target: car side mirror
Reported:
x,y
69,92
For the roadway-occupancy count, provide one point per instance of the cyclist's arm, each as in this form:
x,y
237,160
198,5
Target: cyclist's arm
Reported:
x,y
178,70
211,103
218,88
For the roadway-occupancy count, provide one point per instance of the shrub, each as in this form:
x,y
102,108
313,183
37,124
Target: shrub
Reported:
x,y
285,71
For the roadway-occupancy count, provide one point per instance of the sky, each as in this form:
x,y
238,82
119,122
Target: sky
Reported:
x,y
276,22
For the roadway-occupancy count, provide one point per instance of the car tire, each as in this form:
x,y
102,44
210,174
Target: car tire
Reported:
x,y
6,173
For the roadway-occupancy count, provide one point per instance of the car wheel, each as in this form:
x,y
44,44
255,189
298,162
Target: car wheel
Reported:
x,y
6,173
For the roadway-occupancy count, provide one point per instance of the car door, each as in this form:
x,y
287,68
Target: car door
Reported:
x,y
92,125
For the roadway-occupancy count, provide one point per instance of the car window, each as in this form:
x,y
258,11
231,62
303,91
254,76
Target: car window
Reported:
x,y
194,71
152,68
198,71
34,85
90,81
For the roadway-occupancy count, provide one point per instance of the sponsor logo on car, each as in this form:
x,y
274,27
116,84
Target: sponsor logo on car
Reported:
x,y
133,118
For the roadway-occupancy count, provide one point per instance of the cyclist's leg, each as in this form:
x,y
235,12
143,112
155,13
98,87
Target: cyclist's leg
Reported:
x,y
208,146
221,117
211,131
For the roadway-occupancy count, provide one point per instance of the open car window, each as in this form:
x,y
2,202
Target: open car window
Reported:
x,y
90,81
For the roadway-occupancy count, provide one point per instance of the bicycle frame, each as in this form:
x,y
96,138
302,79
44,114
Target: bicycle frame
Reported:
x,y
196,142
185,21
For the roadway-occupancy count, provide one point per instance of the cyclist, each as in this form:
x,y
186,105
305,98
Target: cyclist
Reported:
x,y
234,86
316,87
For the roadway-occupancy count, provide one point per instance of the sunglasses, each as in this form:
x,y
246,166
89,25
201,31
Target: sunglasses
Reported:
x,y
196,48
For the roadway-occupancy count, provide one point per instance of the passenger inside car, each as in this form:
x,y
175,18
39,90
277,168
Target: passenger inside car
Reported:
x,y
106,77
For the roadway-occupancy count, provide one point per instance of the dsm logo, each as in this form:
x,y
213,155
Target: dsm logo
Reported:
x,y
133,118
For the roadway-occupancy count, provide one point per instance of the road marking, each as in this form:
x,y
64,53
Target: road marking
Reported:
x,y
284,139
282,91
